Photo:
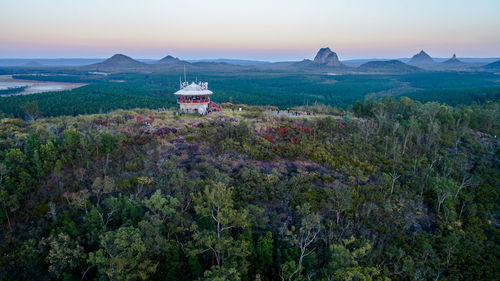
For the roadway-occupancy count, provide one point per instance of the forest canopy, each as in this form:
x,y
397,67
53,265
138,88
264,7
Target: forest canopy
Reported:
x,y
392,189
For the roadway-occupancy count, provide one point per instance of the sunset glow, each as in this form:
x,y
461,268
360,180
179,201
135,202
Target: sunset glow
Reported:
x,y
270,30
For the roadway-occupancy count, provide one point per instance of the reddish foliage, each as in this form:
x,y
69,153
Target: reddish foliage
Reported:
x,y
302,128
103,122
268,137
295,140
282,131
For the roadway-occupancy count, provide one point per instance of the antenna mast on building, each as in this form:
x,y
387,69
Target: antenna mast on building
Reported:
x,y
185,73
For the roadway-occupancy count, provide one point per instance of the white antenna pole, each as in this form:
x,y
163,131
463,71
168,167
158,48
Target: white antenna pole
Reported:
x,y
184,73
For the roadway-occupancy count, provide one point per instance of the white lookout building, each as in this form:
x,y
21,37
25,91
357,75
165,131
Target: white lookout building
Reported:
x,y
194,97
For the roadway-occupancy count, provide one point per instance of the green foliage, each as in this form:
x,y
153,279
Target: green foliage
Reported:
x,y
64,254
391,190
10,91
344,262
154,90
122,255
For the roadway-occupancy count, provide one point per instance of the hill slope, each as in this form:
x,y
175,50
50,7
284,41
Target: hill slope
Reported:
x,y
391,66
117,62
493,66
148,192
421,58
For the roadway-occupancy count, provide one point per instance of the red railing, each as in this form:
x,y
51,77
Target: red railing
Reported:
x,y
192,101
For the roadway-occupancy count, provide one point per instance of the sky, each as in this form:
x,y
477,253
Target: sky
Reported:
x,y
272,30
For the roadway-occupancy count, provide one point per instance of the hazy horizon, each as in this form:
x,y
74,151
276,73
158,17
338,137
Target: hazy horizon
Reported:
x,y
257,30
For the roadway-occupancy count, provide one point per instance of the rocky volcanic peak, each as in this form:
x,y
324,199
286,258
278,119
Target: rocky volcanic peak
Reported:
x,y
453,60
326,57
421,58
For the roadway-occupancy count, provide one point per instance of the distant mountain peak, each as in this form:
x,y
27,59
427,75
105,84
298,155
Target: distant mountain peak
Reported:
x,y
168,59
421,58
121,59
117,61
453,60
327,57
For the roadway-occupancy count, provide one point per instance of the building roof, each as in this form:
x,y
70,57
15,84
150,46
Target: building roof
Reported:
x,y
194,89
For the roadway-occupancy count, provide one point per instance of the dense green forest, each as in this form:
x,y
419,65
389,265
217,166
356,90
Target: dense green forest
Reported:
x,y
153,90
391,189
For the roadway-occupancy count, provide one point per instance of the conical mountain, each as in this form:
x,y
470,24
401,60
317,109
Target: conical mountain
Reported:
x,y
168,59
117,62
121,60
421,58
453,60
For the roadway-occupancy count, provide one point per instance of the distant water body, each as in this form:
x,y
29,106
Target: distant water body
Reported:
x,y
33,86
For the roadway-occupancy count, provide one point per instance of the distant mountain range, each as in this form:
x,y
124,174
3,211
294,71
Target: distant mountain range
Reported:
x,y
233,61
325,60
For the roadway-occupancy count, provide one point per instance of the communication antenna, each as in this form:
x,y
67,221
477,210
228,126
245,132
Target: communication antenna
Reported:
x,y
180,83
184,73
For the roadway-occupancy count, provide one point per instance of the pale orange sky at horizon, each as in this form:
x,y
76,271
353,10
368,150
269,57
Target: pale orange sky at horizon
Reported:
x,y
278,30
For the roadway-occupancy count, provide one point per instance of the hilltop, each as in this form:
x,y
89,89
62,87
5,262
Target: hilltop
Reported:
x,y
116,62
391,66
493,66
169,60
454,61
421,58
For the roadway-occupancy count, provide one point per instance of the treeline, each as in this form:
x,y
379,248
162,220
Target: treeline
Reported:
x,y
10,91
401,191
68,78
153,90
93,98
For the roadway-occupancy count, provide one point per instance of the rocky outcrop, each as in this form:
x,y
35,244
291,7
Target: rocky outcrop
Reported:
x,y
453,60
326,57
